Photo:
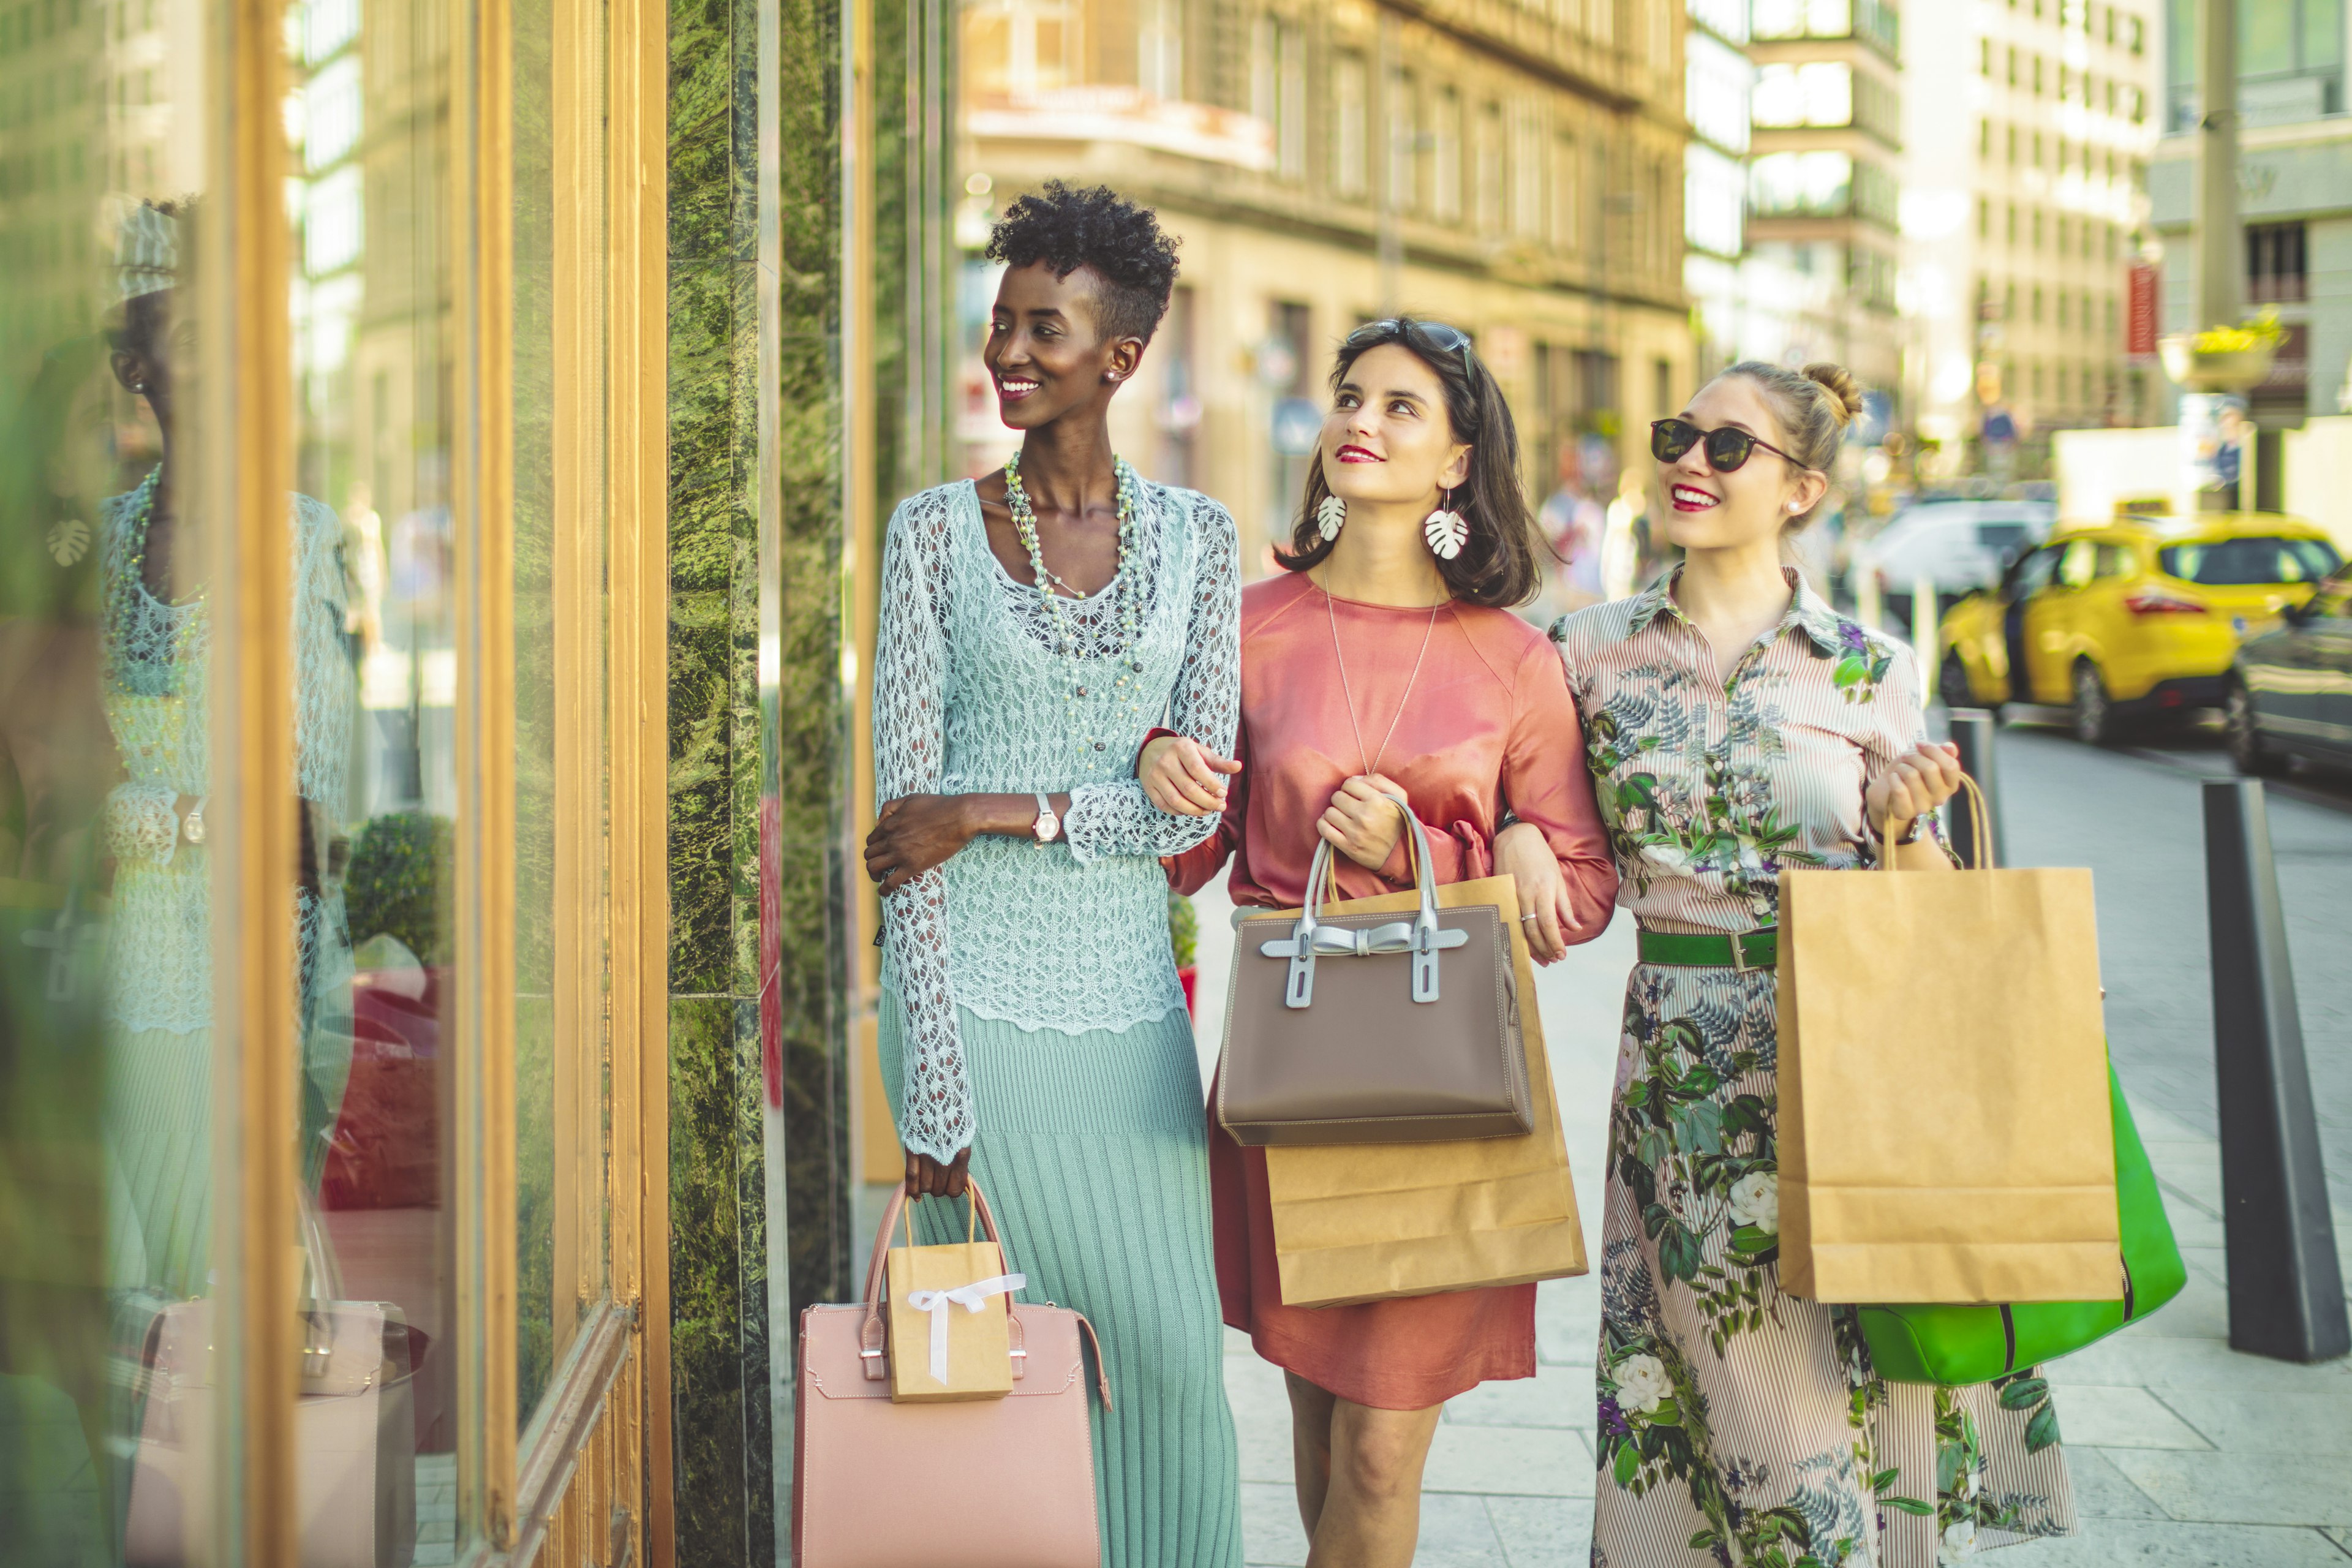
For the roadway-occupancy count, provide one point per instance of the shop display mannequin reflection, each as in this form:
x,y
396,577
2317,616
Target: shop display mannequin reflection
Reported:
x,y
156,648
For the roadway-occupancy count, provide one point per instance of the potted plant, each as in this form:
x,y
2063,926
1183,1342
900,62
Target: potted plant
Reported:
x,y
2223,359
1184,938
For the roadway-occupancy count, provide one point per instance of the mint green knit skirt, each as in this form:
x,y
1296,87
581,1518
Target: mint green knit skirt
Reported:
x,y
1094,1154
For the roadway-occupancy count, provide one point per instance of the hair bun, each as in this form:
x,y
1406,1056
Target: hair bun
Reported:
x,y
1846,392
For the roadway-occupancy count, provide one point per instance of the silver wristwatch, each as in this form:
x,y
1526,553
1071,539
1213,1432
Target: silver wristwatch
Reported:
x,y
1049,826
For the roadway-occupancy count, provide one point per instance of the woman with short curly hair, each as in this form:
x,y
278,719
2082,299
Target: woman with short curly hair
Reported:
x,y
1036,624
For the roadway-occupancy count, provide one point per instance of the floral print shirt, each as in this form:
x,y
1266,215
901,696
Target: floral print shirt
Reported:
x,y
1709,785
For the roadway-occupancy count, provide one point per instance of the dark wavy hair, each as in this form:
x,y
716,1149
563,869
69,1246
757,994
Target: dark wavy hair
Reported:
x,y
1497,566
1095,227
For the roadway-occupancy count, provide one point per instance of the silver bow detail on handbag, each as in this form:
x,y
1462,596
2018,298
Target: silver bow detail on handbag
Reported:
x,y
1310,938
1345,1060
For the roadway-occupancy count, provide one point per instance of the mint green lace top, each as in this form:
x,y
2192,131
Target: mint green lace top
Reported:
x,y
973,695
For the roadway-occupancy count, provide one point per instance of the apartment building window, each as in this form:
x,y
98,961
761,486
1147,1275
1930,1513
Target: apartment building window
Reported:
x,y
2013,146
1984,218
2037,229
1159,48
2065,314
1820,92
2012,66
1487,164
1984,56
1350,167
1278,90
2037,149
1446,157
2137,36
1567,193
1400,128
2111,27
2037,69
1807,18
1984,138
1527,172
2275,264
2037,304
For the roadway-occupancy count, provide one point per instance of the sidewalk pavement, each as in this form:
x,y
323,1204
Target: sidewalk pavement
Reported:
x,y
2183,1452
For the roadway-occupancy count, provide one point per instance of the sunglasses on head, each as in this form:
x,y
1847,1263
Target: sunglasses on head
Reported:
x,y
1727,448
1434,335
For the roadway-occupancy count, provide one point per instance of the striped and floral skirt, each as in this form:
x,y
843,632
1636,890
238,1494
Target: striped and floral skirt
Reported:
x,y
1740,1425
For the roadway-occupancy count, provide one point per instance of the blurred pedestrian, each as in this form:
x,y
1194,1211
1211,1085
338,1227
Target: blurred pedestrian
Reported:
x,y
1035,623
1737,725
1574,522
1384,665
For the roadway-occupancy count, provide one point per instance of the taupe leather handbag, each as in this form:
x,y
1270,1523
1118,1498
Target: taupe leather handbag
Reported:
x,y
1352,1028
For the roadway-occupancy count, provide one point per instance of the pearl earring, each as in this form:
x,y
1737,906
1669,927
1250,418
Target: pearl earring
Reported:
x,y
1330,516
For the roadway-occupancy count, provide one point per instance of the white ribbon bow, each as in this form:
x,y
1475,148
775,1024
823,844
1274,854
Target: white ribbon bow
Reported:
x,y
972,1298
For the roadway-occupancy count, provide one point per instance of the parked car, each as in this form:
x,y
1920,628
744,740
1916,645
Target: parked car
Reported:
x,y
1960,545
2128,618
2290,691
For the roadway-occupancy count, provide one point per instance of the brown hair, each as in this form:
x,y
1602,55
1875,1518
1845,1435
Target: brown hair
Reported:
x,y
1497,566
1814,406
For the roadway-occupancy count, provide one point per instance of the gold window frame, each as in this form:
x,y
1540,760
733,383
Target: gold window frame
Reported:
x,y
593,1484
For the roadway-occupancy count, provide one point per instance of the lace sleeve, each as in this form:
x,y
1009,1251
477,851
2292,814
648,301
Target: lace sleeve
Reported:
x,y
323,679
1119,819
140,824
910,758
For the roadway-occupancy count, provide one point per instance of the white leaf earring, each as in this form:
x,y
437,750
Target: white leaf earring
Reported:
x,y
1331,516
1447,530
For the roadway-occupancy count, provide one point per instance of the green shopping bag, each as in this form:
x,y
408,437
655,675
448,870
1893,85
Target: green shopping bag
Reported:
x,y
1955,1346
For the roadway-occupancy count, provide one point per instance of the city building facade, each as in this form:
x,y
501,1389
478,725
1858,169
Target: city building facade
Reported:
x,y
2027,131
1827,138
1718,83
1516,170
2295,202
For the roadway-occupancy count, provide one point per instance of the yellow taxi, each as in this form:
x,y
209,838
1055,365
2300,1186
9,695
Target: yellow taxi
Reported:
x,y
2132,619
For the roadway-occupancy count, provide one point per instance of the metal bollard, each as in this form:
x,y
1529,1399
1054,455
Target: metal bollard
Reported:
x,y
2286,1290
1973,730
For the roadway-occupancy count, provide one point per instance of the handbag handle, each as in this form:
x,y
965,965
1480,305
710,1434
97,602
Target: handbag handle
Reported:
x,y
1424,938
981,1216
1979,833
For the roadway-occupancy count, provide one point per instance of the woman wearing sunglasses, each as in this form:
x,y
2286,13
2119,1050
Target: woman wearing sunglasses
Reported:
x,y
1735,724
1385,661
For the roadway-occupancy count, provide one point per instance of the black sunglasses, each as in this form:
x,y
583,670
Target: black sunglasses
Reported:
x,y
1435,335
1727,448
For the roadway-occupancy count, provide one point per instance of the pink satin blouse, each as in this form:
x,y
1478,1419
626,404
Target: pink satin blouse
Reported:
x,y
1487,724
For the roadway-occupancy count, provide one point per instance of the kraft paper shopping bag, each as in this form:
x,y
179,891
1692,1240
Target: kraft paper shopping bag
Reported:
x,y
1366,1222
1944,1123
949,1324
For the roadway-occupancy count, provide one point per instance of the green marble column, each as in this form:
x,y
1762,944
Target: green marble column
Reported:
x,y
720,1182
762,937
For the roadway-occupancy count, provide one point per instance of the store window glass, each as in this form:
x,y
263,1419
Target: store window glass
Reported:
x,y
376,678
107,636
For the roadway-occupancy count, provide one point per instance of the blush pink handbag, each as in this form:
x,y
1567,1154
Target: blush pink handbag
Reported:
x,y
987,1483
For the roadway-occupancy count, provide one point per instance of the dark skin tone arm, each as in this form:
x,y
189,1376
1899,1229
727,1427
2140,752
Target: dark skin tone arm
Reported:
x,y
1056,373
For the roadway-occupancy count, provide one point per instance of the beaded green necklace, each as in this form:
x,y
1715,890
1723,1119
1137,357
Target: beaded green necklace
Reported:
x,y
1123,695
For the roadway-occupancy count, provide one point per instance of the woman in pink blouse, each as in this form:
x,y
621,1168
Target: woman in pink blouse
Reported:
x,y
1385,660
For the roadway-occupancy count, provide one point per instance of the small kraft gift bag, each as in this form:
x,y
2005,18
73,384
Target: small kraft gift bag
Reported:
x,y
1944,1121
950,1338
1368,1221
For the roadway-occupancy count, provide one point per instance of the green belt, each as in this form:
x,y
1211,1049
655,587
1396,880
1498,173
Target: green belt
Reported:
x,y
1756,949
